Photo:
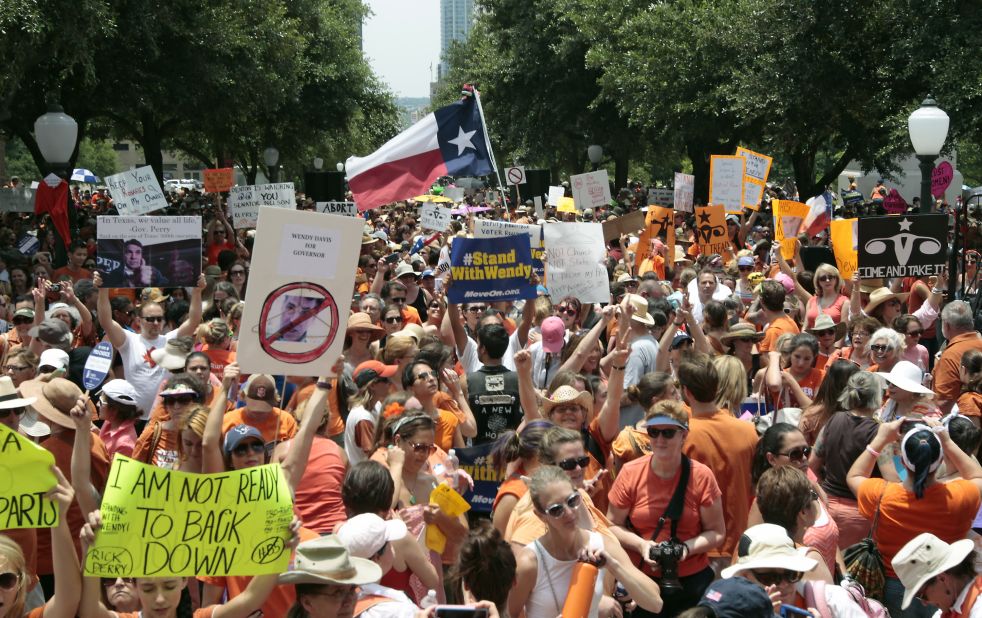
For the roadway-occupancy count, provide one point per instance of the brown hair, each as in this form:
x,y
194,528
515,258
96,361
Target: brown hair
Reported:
x,y
486,565
782,493
698,375
552,439
670,408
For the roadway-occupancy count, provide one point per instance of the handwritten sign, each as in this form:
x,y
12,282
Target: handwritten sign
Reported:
x,y
25,476
489,228
20,199
136,192
844,234
554,194
590,190
346,209
219,180
575,254
434,217
726,182
661,197
894,203
163,523
659,220
710,230
244,202
941,178
788,219
682,193
454,193
491,269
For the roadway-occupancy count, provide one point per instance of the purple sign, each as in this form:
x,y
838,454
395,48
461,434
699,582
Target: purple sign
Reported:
x,y
894,203
941,178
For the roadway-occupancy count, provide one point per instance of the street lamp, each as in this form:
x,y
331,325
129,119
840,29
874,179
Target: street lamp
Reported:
x,y
596,154
928,127
318,163
340,166
56,133
271,156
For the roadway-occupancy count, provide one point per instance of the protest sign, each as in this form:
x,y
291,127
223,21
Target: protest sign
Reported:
x,y
940,178
682,194
19,199
590,190
566,204
894,203
244,202
575,254
788,219
490,228
139,252
303,271
450,504
345,209
25,476
755,177
554,194
661,197
540,212
136,192
164,523
626,224
97,365
659,221
843,235
908,246
219,180
710,230
726,182
434,217
476,461
454,193
28,244
515,175
491,269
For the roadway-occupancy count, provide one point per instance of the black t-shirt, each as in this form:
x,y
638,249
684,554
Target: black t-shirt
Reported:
x,y
492,393
843,440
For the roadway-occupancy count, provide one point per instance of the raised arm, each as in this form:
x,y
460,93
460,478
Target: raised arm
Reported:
x,y
609,418
456,324
295,462
799,291
450,379
37,292
212,460
68,293
862,468
91,603
252,598
699,339
68,581
115,332
665,345
526,389
575,362
88,495
187,328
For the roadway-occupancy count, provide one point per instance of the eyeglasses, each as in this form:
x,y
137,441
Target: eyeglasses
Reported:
x,y
823,333
109,582
16,367
916,333
798,453
879,347
429,449
425,375
8,581
567,310
180,399
393,320
573,462
477,309
825,278
571,502
921,594
236,272
14,411
655,433
153,319
773,579
241,450
434,305
401,299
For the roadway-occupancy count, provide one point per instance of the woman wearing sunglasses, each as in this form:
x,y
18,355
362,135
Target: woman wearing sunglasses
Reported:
x,y
886,349
545,567
518,452
911,328
641,494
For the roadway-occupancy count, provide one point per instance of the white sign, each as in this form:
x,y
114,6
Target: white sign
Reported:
x,y
726,182
434,217
489,228
454,193
303,271
137,252
554,194
661,197
244,202
575,254
682,195
590,190
136,192
337,208
515,175
539,212
20,199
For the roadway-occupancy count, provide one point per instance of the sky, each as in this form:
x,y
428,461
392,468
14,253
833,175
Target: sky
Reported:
x,y
402,40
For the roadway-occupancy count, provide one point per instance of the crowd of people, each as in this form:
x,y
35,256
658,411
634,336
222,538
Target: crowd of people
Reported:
x,y
730,435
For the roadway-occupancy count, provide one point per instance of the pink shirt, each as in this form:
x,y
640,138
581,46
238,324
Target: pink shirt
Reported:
x,y
119,438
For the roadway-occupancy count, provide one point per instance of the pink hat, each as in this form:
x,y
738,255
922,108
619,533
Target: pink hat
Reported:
x,y
553,334
786,281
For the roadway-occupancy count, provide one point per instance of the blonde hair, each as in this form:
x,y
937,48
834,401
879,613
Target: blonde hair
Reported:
x,y
543,309
396,348
732,389
11,552
827,269
670,408
194,420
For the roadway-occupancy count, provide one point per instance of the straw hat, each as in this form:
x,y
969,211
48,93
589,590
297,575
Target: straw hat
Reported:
x,y
741,330
825,322
640,304
361,321
866,286
54,400
325,560
881,295
565,395
9,397
924,557
174,355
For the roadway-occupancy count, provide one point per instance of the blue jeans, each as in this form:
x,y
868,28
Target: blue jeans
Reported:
x,y
893,596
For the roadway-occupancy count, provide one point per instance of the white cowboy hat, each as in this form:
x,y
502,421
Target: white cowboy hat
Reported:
x,y
768,546
640,304
907,376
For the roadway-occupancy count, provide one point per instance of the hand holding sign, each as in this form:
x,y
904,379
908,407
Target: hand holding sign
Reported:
x,y
26,481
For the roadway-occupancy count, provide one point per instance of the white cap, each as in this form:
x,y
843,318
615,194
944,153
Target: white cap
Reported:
x,y
121,391
364,535
54,358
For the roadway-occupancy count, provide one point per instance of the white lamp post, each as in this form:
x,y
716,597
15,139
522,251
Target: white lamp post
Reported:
x,y
928,127
340,166
56,133
271,156
596,154
318,163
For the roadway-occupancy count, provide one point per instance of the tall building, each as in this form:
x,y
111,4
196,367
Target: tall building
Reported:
x,y
456,20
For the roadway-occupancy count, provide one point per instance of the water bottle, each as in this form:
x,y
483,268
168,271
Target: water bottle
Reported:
x,y
452,462
429,600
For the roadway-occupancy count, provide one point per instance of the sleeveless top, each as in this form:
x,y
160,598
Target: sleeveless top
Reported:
x,y
823,537
552,580
971,598
834,311
318,494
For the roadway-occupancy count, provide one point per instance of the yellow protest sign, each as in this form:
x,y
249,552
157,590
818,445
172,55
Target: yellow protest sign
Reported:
x,y
755,179
710,231
453,505
843,235
25,476
658,220
788,217
162,523
566,204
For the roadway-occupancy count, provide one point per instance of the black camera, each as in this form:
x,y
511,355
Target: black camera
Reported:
x,y
55,287
668,554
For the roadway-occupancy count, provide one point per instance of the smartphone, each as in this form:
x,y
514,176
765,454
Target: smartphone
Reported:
x,y
461,611
392,259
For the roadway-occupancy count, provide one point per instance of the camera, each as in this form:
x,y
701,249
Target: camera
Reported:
x,y
55,287
668,554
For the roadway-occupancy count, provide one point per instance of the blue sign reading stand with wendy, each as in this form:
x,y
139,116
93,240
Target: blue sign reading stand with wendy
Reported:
x,y
491,269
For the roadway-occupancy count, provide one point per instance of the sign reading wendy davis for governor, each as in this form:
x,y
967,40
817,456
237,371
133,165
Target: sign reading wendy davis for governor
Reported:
x,y
491,269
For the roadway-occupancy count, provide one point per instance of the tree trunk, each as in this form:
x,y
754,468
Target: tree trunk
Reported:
x,y
803,164
150,140
622,161
700,169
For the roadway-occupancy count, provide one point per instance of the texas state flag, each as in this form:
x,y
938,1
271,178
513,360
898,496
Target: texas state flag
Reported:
x,y
449,142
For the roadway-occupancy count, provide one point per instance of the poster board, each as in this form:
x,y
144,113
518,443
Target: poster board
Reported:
x,y
345,209
843,234
244,202
492,228
683,191
661,197
789,217
138,252
658,221
575,254
20,199
590,190
25,476
219,180
710,230
726,182
626,224
136,192
554,194
303,272
755,177
907,246
491,269
434,217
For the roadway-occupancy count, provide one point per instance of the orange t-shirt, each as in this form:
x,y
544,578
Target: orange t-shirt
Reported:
x,y
775,329
410,315
630,444
74,275
276,426
970,404
726,445
219,359
645,496
947,383
444,401
204,612
903,516
445,425
335,426
514,486
809,385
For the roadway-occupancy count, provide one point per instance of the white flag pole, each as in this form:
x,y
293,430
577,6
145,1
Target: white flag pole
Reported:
x,y
487,142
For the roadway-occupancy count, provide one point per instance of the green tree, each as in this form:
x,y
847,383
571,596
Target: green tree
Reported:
x,y
98,156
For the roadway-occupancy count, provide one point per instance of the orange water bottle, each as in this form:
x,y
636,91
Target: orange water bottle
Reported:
x,y
579,599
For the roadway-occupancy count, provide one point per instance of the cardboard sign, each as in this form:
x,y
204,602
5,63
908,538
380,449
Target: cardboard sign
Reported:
x,y
941,178
726,182
844,236
710,230
345,209
136,192
434,217
682,194
28,245
219,180
489,228
755,177
659,221
908,246
97,365
454,193
627,224
788,219
491,269
590,190
20,199
163,523
515,175
476,461
540,213
575,254
661,197
244,202
555,193
25,476
303,271
566,204
139,252
894,203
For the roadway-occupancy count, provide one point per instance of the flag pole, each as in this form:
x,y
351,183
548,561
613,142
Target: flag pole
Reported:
x,y
487,142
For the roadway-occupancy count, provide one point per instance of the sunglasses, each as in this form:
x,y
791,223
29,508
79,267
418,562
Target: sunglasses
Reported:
x,y
401,300
15,411
823,333
425,375
916,333
434,305
745,269
241,450
567,310
557,510
668,434
153,319
798,453
477,309
773,579
429,449
19,321
8,581
395,320
574,462
109,582
879,347
236,272
181,399
825,278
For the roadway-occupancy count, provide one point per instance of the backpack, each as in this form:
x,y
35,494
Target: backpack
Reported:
x,y
815,597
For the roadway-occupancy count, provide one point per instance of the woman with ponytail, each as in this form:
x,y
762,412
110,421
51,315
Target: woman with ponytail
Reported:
x,y
521,449
920,503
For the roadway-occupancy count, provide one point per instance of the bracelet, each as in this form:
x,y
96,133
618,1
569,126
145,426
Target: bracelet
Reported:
x,y
937,291
872,451
325,386
621,368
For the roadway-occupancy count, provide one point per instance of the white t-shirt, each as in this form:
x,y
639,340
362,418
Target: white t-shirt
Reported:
x,y
470,362
140,371
357,415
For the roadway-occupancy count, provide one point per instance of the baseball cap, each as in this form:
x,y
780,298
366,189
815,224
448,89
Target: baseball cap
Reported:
x,y
120,391
664,420
261,390
745,260
24,312
553,334
679,339
53,332
786,281
737,597
364,535
239,433
371,370
53,358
